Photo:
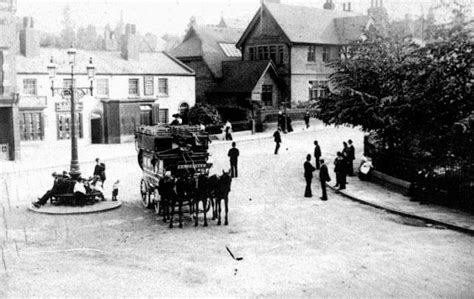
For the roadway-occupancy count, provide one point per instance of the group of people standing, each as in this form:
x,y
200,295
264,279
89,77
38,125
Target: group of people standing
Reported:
x,y
323,172
343,166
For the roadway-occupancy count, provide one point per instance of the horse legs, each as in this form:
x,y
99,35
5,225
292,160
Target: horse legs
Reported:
x,y
197,209
180,213
218,204
204,204
171,210
164,208
226,202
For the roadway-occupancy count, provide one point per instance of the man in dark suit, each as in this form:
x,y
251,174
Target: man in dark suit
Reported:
x,y
323,178
317,153
233,155
308,175
277,138
351,158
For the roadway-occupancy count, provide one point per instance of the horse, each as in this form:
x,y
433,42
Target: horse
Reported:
x,y
221,192
167,194
212,183
185,190
203,193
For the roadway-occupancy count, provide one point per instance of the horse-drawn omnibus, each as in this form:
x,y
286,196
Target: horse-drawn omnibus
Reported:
x,y
181,150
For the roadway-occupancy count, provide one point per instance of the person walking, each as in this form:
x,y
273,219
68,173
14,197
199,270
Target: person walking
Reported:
x,y
277,139
351,158
308,175
233,155
317,153
306,121
323,178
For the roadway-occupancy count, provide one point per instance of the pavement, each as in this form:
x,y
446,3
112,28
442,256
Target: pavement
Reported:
x,y
41,156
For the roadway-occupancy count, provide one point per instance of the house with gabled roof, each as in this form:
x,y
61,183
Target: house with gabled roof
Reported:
x,y
222,78
300,41
204,48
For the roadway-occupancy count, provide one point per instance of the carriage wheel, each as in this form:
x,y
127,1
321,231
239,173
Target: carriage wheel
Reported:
x,y
145,194
156,201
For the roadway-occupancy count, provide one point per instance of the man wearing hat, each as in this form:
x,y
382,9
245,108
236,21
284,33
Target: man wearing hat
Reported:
x,y
56,189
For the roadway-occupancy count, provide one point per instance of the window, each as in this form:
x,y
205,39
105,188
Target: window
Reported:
x,y
280,54
251,53
133,87
230,50
103,87
273,53
148,86
163,116
29,86
64,123
265,53
163,86
325,54
145,115
318,90
260,53
312,53
31,126
267,95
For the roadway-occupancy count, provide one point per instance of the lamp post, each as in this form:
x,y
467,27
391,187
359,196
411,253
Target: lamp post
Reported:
x,y
72,93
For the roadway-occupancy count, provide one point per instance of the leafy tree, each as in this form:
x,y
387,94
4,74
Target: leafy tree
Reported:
x,y
68,34
410,95
204,114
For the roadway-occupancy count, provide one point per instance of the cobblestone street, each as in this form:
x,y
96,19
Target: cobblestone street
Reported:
x,y
290,245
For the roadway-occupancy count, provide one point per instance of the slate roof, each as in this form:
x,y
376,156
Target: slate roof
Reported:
x,y
242,76
313,25
105,62
203,41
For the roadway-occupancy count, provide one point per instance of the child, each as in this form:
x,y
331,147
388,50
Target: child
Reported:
x,y
115,190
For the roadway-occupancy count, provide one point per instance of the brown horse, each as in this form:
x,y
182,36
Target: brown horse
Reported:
x,y
185,190
221,192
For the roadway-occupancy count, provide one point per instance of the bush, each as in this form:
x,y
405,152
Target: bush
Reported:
x,y
205,114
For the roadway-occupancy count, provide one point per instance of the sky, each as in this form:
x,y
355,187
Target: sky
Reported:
x,y
172,16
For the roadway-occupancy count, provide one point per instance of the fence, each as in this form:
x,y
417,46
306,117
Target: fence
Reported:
x,y
449,185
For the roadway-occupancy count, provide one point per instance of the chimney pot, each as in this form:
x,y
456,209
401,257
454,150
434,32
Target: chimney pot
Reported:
x,y
348,6
29,38
130,44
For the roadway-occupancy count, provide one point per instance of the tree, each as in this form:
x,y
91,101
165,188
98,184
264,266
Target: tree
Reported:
x,y
410,95
67,35
204,114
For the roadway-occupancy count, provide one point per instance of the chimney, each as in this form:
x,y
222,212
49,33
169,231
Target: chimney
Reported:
x,y
110,42
29,38
328,5
344,6
348,6
130,45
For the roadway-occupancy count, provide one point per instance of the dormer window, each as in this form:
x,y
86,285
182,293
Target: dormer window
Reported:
x,y
230,50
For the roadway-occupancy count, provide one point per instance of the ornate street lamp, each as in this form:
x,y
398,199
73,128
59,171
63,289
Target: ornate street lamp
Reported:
x,y
72,92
